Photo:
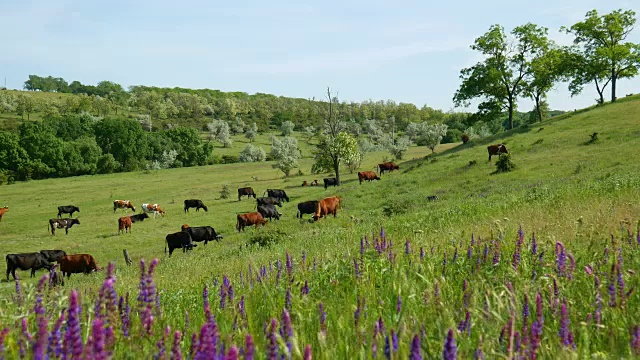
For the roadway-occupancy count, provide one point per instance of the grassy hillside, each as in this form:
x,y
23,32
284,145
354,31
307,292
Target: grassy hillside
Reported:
x,y
562,189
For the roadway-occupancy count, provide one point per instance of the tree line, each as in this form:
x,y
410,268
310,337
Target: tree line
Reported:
x,y
526,63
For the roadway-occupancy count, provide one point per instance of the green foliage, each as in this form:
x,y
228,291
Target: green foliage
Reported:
x,y
191,150
12,155
41,144
433,134
285,152
601,54
124,139
81,157
252,132
225,191
219,130
252,154
267,237
331,151
504,164
452,136
287,128
107,164
399,146
237,127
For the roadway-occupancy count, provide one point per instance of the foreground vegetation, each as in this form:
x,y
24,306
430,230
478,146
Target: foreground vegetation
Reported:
x,y
459,263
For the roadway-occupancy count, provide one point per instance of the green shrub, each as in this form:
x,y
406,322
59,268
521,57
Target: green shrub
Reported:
x,y
397,207
225,192
504,164
267,237
230,159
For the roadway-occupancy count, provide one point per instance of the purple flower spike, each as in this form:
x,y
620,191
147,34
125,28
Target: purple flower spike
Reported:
x,y
289,264
536,333
307,353
407,247
566,337
287,299
97,336
399,304
305,288
249,348
176,352
421,253
534,245
635,340
272,352
387,348
19,294
232,354
323,318
55,347
450,350
73,337
416,351
3,334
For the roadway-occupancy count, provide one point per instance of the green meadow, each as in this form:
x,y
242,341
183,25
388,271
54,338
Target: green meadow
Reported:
x,y
563,189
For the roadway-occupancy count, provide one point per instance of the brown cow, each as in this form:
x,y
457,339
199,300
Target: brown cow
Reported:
x,y
496,149
122,204
248,219
327,206
124,224
153,208
305,183
78,263
367,175
314,183
388,166
3,211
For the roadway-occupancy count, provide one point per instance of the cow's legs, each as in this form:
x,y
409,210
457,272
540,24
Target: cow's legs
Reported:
x,y
8,271
13,273
33,272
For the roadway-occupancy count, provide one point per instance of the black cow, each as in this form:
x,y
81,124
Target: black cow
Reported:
x,y
53,255
138,217
246,191
193,203
179,240
202,233
268,201
69,209
65,224
32,261
307,207
269,211
278,194
330,182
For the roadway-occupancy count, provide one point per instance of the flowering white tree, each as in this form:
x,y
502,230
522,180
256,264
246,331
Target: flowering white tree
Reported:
x,y
434,134
219,130
287,128
252,154
286,153
398,147
238,126
252,132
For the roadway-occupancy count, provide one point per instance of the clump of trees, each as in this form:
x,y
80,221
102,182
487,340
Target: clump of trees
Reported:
x,y
84,145
252,153
285,152
525,63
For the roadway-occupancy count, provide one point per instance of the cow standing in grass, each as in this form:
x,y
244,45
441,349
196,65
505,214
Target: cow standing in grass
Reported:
x,y
307,207
246,191
327,206
367,175
27,261
3,211
123,204
194,203
248,219
124,224
496,149
65,224
78,264
388,166
153,208
68,209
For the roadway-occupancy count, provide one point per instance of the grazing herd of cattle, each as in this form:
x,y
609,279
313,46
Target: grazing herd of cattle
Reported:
x,y
186,238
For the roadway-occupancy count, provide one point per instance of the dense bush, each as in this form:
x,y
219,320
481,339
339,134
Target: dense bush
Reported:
x,y
252,154
504,164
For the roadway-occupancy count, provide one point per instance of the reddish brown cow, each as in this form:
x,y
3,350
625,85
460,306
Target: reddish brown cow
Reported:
x,y
327,206
305,183
368,176
248,219
3,211
123,204
124,224
78,263
496,149
388,166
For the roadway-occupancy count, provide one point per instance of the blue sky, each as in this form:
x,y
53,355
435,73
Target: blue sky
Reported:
x,y
407,51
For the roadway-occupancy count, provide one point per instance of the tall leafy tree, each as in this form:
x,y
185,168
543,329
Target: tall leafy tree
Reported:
x,y
124,139
286,153
500,79
547,68
190,148
602,55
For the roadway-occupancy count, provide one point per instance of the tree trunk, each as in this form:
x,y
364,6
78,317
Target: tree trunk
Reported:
x,y
336,168
537,97
510,113
28,116
613,85
600,91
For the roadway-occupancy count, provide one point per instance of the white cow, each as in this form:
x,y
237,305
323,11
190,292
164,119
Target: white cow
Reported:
x,y
153,208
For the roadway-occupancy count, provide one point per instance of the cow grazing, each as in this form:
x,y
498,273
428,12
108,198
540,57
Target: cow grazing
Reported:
x,y
138,217
432,197
69,209
53,255
278,194
305,183
124,224
193,203
388,166
246,191
123,204
307,207
496,149
77,264
268,201
178,240
327,206
314,183
330,182
3,211
248,219
269,211
153,208
368,176
65,224
202,233
27,261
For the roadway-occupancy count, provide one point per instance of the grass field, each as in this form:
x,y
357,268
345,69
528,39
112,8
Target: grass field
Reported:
x,y
562,190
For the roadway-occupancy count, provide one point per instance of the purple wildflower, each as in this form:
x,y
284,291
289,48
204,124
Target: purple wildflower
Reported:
x,y
286,330
416,350
598,305
323,318
55,347
287,299
407,247
25,338
496,254
126,317
289,264
19,294
399,304
387,347
572,265
421,253
3,334
635,340
612,287
526,311
307,353
249,348
620,283
97,336
232,354
478,354
566,337
588,269
223,296
272,341
464,325
450,350
536,334
561,259
176,352
455,255
305,288
534,245
73,338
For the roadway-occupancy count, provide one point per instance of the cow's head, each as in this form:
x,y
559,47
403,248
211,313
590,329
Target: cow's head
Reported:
x,y
205,208
503,149
76,209
130,206
278,202
74,222
396,167
144,215
184,227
